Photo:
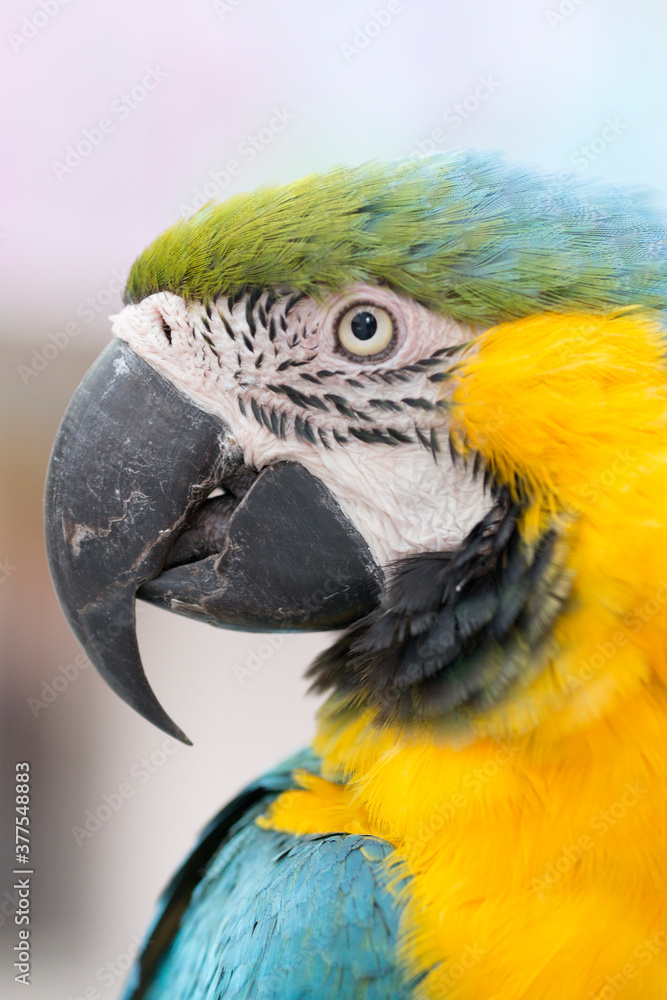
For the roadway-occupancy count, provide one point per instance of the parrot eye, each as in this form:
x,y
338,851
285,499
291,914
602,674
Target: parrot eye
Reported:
x,y
365,330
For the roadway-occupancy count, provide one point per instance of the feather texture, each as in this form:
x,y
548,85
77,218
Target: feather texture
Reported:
x,y
533,829
464,233
267,915
528,860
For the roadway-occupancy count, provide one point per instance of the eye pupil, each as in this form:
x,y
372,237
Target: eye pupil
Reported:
x,y
365,331
364,325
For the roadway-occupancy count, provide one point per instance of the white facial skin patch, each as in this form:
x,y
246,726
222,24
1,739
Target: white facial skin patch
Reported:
x,y
281,371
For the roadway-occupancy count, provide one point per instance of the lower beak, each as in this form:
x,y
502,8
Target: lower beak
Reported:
x,y
127,510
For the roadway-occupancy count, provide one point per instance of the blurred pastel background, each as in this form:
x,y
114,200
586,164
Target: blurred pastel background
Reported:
x,y
117,118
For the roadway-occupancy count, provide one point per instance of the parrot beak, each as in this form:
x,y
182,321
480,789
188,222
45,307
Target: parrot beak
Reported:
x,y
127,514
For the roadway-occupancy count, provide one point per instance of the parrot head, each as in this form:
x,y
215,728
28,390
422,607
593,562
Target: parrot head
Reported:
x,y
382,400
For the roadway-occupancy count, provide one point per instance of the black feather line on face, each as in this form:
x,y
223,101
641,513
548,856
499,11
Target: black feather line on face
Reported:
x,y
304,430
421,437
266,420
400,436
236,297
455,629
250,319
254,296
386,404
364,416
275,426
260,311
341,404
230,332
418,404
292,300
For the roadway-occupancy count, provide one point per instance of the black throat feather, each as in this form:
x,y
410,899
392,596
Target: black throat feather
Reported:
x,y
455,630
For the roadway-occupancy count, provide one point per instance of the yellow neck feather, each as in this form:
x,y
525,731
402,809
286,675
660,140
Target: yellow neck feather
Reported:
x,y
534,835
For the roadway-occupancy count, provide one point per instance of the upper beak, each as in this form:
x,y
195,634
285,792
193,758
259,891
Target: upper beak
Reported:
x,y
126,510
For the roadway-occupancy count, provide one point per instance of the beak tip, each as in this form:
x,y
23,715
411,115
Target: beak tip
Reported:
x,y
176,732
134,689
179,735
147,705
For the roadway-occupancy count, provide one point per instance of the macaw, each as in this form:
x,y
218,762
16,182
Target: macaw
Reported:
x,y
422,403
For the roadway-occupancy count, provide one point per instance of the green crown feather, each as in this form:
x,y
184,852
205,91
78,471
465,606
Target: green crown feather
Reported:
x,y
463,233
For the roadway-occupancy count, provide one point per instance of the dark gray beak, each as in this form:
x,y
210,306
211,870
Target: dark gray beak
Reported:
x,y
127,510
